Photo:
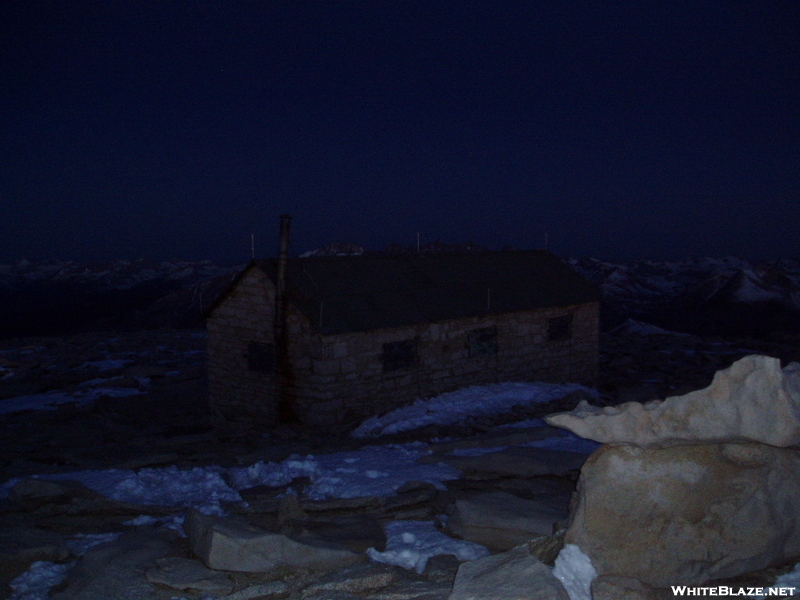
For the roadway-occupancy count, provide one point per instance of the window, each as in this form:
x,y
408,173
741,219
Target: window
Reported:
x,y
399,355
559,328
482,342
260,357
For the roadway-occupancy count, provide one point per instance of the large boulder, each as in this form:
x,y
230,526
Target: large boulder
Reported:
x,y
230,544
687,514
753,400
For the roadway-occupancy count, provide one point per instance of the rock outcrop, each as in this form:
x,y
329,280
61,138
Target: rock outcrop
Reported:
x,y
512,575
688,514
754,400
697,487
229,544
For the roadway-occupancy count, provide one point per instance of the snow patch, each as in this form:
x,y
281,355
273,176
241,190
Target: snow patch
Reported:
x,y
35,583
634,327
202,488
575,571
370,471
106,365
455,407
410,544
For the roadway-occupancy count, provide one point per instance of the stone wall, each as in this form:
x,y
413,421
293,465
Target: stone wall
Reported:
x,y
245,315
340,379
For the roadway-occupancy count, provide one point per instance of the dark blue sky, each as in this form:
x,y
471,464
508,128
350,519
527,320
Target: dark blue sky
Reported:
x,y
623,130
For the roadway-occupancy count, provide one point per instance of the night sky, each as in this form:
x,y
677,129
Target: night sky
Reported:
x,y
621,130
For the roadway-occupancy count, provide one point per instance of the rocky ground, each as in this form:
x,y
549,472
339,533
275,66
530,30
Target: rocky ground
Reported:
x,y
165,422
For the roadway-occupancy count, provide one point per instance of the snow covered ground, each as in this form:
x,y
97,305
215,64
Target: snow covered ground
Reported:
x,y
373,470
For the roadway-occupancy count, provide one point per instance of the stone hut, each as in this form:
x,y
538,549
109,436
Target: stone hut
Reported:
x,y
355,336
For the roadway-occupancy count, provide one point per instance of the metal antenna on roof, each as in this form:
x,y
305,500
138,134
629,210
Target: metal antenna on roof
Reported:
x,y
253,244
545,240
418,242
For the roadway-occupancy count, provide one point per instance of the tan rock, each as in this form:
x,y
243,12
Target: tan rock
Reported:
x,y
687,514
753,400
233,545
512,575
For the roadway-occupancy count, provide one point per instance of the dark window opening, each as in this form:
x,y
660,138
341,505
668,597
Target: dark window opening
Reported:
x,y
260,357
482,342
559,328
399,355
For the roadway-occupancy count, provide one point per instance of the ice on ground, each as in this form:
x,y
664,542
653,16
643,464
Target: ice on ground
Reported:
x,y
41,576
410,544
632,326
567,442
370,471
202,488
274,474
455,407
35,583
575,571
106,365
81,543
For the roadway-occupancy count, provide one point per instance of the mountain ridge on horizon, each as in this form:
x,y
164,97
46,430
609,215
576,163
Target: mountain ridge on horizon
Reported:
x,y
712,295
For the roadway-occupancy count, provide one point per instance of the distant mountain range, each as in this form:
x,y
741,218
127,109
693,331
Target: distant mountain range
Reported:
x,y
727,296
56,297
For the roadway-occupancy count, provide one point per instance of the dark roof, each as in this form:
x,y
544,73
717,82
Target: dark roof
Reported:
x,y
341,294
